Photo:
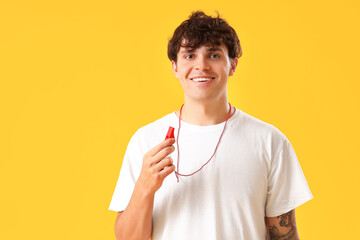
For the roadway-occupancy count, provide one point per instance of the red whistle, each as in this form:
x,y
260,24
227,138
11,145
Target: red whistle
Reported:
x,y
170,133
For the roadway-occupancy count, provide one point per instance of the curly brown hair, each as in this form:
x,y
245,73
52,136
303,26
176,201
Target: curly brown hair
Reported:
x,y
201,29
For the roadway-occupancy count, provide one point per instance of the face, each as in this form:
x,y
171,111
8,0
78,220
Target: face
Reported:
x,y
203,72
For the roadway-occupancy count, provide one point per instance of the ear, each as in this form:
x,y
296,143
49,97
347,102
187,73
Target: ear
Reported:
x,y
174,68
233,66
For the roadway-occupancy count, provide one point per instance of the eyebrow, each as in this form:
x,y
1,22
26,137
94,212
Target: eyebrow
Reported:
x,y
212,49
187,50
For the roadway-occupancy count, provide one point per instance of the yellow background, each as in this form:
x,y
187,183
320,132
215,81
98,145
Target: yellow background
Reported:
x,y
79,77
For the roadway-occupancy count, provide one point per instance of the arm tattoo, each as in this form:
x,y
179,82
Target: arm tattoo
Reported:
x,y
286,221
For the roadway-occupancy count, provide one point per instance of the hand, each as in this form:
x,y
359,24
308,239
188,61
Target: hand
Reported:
x,y
156,166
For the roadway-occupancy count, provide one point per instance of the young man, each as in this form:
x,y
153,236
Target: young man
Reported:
x,y
236,177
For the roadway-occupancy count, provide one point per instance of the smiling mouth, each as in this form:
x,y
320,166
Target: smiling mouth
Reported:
x,y
202,79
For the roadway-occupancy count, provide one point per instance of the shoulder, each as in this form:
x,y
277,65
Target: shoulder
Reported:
x,y
158,125
257,128
155,131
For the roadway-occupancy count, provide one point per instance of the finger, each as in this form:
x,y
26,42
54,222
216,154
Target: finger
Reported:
x,y
167,171
166,162
159,147
162,154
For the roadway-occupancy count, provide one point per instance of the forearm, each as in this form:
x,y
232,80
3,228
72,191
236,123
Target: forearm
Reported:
x,y
136,220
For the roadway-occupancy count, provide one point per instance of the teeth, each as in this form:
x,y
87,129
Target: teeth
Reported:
x,y
201,79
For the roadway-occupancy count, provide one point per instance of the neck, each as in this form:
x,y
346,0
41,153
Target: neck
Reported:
x,y
205,114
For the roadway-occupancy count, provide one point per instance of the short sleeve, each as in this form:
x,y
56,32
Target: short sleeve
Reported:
x,y
129,173
287,186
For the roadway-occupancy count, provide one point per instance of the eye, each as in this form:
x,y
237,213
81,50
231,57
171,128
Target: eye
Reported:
x,y
214,55
189,56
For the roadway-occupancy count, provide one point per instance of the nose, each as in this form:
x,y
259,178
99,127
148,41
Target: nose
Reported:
x,y
201,64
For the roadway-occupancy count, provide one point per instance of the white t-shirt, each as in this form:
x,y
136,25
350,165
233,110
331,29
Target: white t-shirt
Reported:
x,y
254,173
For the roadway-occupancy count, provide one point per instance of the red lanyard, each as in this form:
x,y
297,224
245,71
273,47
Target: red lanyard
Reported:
x,y
177,174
